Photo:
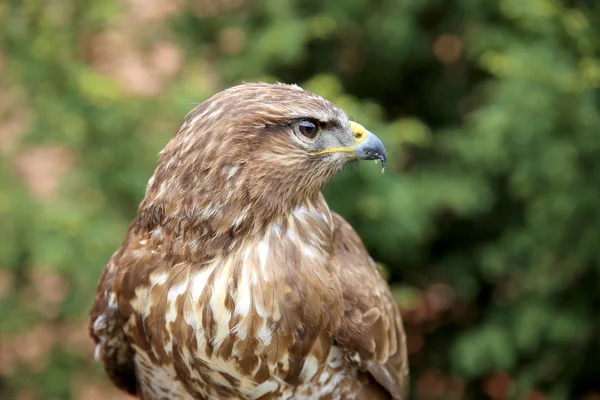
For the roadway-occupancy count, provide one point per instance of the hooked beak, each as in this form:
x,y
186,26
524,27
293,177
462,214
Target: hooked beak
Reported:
x,y
366,146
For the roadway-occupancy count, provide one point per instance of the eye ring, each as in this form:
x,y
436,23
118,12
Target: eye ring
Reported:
x,y
308,129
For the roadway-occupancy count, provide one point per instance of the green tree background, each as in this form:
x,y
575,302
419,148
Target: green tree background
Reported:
x,y
487,220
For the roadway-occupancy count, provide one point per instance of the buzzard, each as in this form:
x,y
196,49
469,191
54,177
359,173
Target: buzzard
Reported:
x,y
235,279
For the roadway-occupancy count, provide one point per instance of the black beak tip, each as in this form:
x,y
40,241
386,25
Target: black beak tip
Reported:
x,y
372,149
378,154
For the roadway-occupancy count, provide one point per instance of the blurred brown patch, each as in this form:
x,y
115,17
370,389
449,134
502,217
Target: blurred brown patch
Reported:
x,y
76,338
32,347
105,49
7,356
26,394
211,8
350,60
136,76
139,73
232,40
166,59
431,384
121,51
41,168
45,292
455,388
11,130
419,314
536,395
440,296
464,313
507,289
85,389
14,119
6,283
497,386
140,12
414,341
447,48
111,53
436,299
51,287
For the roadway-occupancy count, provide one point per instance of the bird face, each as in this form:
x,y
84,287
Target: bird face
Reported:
x,y
300,140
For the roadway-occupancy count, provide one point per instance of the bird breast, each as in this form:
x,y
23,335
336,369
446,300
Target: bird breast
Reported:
x,y
248,322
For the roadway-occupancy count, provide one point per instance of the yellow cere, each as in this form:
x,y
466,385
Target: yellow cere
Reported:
x,y
360,135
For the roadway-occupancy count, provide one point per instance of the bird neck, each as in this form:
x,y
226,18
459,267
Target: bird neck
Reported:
x,y
201,226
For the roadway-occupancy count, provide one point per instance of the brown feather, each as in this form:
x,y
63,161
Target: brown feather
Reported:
x,y
372,328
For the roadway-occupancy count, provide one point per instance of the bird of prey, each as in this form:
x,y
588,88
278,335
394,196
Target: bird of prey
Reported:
x,y
235,280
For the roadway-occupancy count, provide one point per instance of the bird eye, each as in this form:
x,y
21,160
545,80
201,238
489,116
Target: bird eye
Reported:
x,y
308,129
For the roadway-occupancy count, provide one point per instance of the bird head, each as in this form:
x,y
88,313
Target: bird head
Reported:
x,y
269,146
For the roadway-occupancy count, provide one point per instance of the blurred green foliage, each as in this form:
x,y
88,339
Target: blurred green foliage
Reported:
x,y
487,221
